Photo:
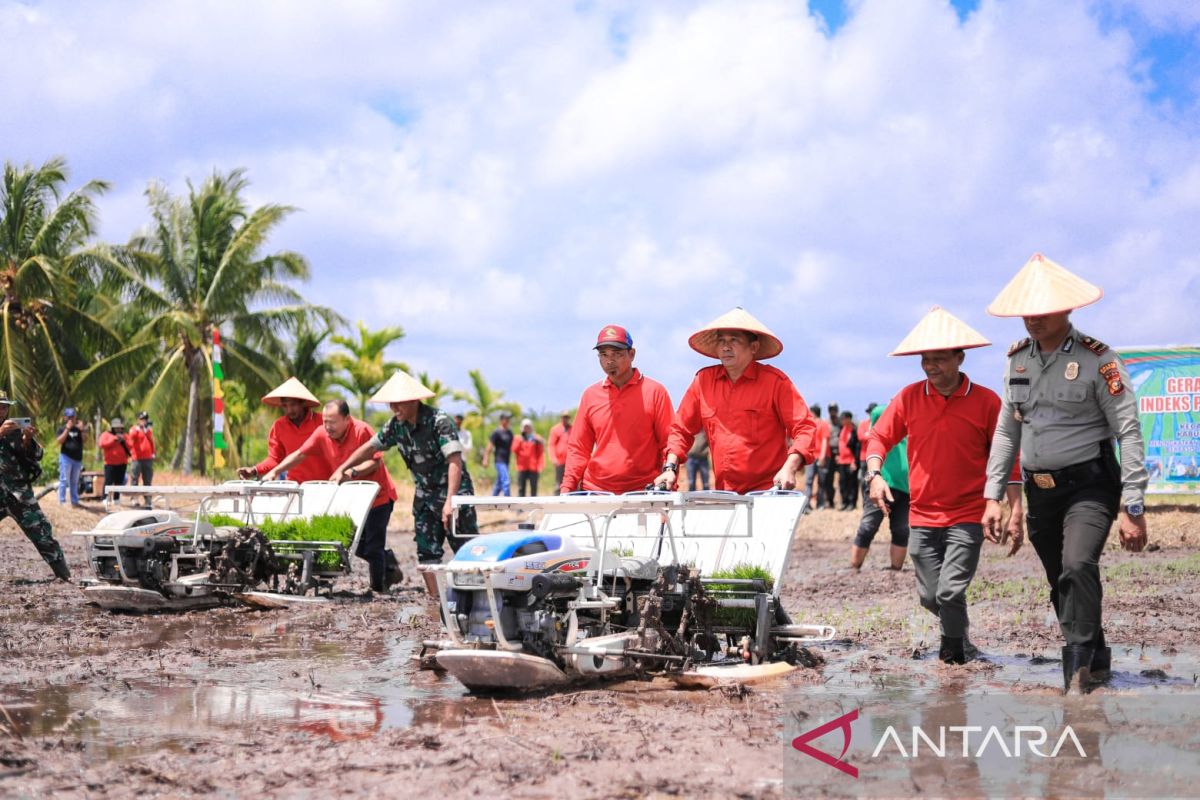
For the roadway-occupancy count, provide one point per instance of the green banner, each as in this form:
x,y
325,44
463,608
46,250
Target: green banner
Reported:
x,y
1167,382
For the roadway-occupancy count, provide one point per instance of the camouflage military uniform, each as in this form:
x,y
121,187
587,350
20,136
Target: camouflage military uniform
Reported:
x,y
19,468
426,447
1062,410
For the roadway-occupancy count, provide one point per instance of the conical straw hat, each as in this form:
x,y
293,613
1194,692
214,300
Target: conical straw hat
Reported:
x,y
294,389
1043,287
939,330
704,341
401,388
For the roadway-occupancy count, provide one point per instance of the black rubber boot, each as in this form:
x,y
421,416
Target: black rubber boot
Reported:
x,y
61,570
951,650
1077,672
1101,659
394,574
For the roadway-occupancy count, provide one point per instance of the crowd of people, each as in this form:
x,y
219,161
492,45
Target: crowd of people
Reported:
x,y
936,460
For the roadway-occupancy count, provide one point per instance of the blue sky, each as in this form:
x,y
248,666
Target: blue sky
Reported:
x,y
503,179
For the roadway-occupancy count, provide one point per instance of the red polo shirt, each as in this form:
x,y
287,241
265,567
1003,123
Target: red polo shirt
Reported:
x,y
949,439
321,448
560,437
284,439
748,423
619,438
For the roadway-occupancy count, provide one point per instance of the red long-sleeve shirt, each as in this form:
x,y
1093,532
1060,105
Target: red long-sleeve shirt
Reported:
x,y
115,452
748,423
619,438
530,454
285,438
845,456
322,449
949,439
560,438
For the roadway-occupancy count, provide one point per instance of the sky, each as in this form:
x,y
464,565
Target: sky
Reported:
x,y
503,179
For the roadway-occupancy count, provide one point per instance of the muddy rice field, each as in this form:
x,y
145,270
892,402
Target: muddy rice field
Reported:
x,y
328,701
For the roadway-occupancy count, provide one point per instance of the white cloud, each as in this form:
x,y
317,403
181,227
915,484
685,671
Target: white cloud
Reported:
x,y
502,180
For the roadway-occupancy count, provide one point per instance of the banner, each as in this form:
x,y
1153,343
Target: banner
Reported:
x,y
1167,383
218,402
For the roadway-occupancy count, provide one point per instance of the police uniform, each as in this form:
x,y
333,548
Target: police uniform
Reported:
x,y
426,446
1063,409
20,466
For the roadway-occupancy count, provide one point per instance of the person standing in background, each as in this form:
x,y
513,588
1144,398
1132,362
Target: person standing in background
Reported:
x,y
72,436
560,437
141,445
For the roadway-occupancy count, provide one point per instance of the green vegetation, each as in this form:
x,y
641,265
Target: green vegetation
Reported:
x,y
362,365
288,535
742,571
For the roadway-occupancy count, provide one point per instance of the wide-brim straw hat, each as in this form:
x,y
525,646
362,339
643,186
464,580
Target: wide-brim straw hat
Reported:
x,y
400,388
704,341
294,389
1043,287
939,330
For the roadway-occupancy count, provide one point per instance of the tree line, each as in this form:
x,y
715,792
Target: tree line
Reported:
x,y
113,329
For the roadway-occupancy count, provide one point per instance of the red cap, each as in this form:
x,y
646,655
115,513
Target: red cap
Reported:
x,y
614,336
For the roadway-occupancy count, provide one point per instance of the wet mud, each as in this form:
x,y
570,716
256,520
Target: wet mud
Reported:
x,y
329,699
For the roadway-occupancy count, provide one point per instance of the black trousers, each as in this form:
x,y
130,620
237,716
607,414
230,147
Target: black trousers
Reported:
x,y
114,475
872,519
848,485
527,479
826,469
1068,526
371,544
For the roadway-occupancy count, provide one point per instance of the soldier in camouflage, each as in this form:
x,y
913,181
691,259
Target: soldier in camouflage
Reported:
x,y
1067,398
20,466
427,439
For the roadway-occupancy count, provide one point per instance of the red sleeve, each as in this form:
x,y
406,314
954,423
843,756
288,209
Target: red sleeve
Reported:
x,y
798,420
276,452
889,430
686,422
310,443
664,416
579,447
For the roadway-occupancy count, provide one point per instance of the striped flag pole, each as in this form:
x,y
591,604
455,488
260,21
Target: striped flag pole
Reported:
x,y
218,403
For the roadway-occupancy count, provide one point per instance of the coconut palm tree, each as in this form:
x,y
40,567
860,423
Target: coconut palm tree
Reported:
x,y
439,389
200,267
483,401
303,359
46,330
363,368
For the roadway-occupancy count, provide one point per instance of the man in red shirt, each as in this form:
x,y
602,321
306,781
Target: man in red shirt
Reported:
x,y
560,437
847,461
621,427
748,410
298,422
530,452
949,422
141,446
816,472
115,450
332,443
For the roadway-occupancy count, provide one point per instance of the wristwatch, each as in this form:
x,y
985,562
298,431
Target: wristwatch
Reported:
x,y
672,467
1135,509
872,474
352,472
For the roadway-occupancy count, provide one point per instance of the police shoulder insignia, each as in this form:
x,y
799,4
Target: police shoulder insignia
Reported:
x,y
1095,345
1112,377
1019,346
